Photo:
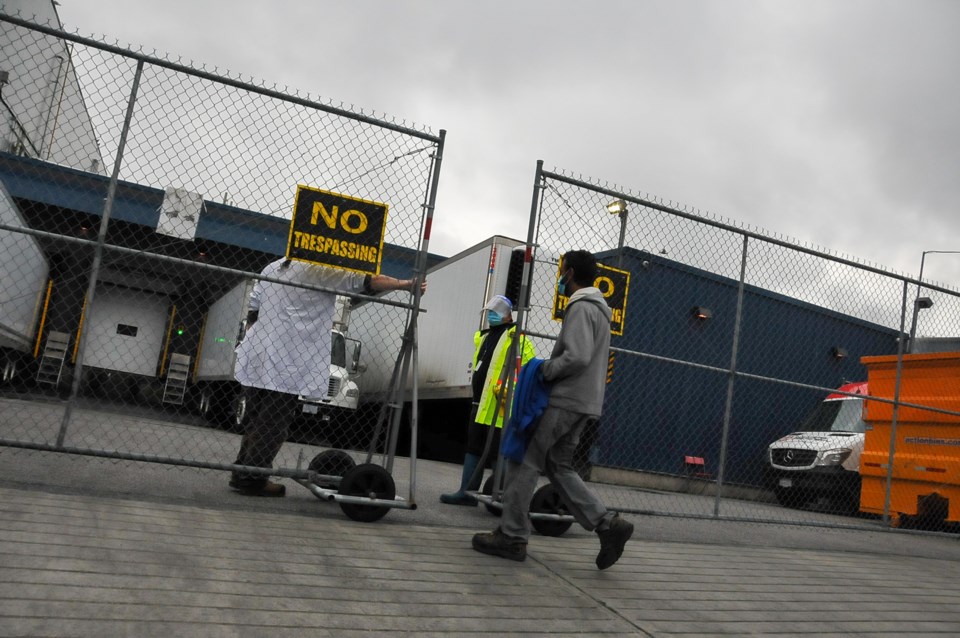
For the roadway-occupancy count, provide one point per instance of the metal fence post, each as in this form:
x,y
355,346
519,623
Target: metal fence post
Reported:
x,y
421,274
728,408
896,407
522,306
98,256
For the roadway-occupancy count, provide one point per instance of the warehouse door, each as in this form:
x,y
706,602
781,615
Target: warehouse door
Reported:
x,y
125,330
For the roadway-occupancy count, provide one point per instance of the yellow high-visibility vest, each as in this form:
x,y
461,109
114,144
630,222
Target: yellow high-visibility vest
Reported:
x,y
491,393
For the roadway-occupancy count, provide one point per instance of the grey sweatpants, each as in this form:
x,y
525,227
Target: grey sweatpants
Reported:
x,y
550,451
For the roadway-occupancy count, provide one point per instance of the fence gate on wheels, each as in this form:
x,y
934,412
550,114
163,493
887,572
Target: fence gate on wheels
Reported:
x,y
147,208
751,378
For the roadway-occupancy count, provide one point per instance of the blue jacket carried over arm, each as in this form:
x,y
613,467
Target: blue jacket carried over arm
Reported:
x,y
529,401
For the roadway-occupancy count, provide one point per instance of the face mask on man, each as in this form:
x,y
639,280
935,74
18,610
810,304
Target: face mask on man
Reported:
x,y
562,285
494,318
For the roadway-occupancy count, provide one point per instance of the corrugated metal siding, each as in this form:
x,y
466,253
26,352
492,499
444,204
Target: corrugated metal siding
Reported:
x,y
656,412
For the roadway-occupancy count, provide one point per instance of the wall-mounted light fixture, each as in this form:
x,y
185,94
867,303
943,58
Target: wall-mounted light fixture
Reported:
x,y
838,353
701,312
920,303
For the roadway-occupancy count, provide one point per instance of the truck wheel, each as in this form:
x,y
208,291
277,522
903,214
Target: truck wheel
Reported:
x,y
238,420
219,405
9,370
331,463
203,404
371,481
547,500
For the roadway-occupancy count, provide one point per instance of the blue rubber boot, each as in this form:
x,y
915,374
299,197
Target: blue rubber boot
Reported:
x,y
470,463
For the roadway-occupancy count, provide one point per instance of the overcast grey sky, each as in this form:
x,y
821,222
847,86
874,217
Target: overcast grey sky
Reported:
x,y
834,122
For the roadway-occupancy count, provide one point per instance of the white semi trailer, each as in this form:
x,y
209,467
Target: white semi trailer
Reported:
x,y
23,286
457,290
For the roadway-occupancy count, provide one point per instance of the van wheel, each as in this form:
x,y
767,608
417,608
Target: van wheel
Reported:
x,y
789,497
847,499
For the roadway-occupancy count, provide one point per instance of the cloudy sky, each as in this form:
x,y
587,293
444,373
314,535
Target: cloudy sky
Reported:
x,y
833,122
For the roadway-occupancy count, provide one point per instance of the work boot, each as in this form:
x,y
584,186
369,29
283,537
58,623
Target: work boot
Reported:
x,y
470,463
496,543
613,538
257,487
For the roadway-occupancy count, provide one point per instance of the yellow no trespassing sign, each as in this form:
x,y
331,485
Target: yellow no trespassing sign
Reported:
x,y
337,230
613,283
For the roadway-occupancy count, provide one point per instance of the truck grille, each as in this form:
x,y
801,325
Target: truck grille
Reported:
x,y
333,388
793,457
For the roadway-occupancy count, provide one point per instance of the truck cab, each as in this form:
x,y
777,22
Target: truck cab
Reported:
x,y
822,459
224,402
342,389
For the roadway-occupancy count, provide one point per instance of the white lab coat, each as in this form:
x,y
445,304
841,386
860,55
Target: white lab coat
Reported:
x,y
288,348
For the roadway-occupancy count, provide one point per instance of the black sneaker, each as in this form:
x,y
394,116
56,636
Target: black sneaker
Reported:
x,y
496,543
612,541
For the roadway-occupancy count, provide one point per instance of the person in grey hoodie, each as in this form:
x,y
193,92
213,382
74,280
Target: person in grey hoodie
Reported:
x,y
576,373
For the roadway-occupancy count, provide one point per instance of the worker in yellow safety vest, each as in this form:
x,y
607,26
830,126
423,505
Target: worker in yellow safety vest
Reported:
x,y
489,360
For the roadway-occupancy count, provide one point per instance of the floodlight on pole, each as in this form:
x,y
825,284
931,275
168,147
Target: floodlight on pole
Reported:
x,y
619,207
922,303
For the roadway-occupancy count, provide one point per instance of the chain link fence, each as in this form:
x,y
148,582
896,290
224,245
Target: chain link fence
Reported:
x,y
141,201
739,373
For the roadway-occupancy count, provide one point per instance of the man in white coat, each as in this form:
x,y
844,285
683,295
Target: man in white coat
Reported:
x,y
286,353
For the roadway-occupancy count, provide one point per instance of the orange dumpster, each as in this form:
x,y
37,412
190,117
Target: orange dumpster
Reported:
x,y
926,465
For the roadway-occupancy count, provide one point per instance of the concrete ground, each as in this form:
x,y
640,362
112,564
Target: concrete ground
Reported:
x,y
103,548
97,547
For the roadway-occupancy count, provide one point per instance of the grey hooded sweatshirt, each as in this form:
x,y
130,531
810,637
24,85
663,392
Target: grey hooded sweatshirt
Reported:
x,y
577,367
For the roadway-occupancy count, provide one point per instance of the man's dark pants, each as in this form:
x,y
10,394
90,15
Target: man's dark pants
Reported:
x,y
268,423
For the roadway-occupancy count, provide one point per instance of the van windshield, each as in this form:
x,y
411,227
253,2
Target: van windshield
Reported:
x,y
844,415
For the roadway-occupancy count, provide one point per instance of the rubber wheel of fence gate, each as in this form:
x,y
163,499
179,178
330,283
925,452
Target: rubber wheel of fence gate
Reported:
x,y
369,480
488,490
332,463
547,500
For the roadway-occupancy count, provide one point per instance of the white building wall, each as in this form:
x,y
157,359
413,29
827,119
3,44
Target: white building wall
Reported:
x,y
44,115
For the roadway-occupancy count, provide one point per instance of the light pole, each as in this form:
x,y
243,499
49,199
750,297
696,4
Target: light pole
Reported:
x,y
619,207
922,303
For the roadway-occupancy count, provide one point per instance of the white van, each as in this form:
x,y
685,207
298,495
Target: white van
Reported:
x,y
823,458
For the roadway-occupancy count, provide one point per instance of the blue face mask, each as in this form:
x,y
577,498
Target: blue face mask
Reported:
x,y
493,318
562,287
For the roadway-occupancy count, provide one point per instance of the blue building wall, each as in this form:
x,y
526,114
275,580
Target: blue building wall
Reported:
x,y
74,190
657,412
